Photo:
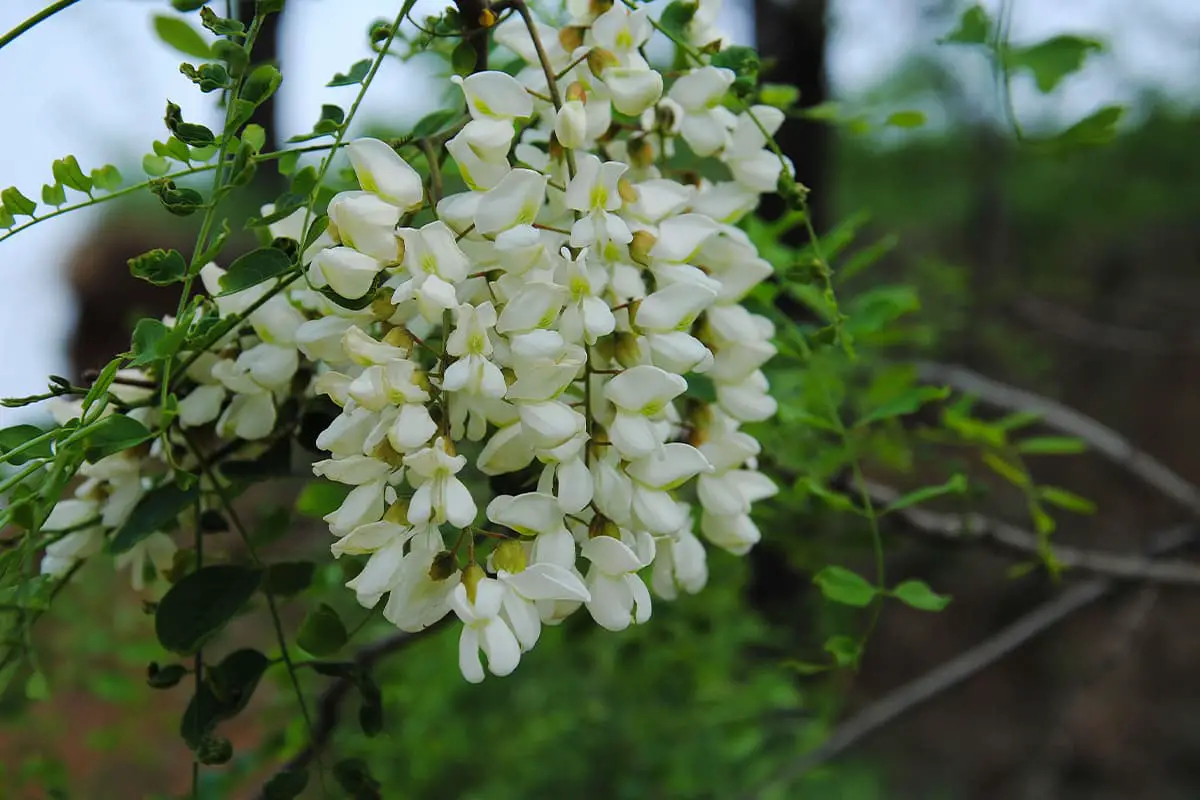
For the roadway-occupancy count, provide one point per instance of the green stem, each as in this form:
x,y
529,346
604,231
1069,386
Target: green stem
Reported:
x,y
198,665
38,18
183,173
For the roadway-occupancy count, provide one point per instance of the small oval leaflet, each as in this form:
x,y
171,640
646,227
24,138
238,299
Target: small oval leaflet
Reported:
x,y
201,604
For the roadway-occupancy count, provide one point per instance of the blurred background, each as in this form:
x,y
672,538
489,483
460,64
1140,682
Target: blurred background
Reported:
x,y
1071,275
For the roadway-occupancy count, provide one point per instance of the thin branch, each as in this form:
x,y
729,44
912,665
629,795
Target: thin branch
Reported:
x,y
1099,437
900,701
329,707
1069,324
977,527
38,18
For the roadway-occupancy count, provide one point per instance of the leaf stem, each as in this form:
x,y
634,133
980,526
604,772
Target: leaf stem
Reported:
x,y
38,18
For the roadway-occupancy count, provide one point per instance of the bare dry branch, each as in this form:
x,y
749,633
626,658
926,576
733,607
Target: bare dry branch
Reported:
x,y
942,678
1099,437
977,527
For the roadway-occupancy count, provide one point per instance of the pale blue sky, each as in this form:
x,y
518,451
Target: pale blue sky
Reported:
x,y
93,82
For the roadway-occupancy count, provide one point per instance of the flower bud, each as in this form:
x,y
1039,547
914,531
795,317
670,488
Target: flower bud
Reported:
x,y
571,123
571,37
397,512
487,18
627,190
510,557
444,565
602,526
639,249
628,350
472,575
382,306
598,59
576,92
641,152
400,337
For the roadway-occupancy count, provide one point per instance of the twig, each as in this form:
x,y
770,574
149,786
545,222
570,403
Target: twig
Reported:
x,y
329,706
1078,329
900,701
1099,437
977,527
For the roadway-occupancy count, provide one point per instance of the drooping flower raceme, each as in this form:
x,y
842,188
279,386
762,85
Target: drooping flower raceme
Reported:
x,y
567,321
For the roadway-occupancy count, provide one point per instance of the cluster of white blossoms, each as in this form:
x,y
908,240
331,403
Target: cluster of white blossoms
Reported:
x,y
539,325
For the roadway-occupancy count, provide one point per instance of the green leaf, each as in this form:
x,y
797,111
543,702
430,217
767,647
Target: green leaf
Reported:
x,y
17,435
6,220
1052,60
677,16
843,586
261,84
165,677
209,77
106,178
112,434
974,27
1042,522
322,632
845,650
148,335
288,578
744,61
355,779
1098,128
353,76
956,485
836,500
202,603
220,25
187,5
53,195
68,172
16,203
918,595
906,119
179,34
1062,498
435,123
179,200
906,403
286,785
253,268
780,95
154,165
320,497
1010,472
462,60
189,133
255,136
228,690
155,512
37,688
160,267
1052,445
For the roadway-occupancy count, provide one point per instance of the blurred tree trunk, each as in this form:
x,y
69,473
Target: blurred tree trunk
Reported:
x,y
791,37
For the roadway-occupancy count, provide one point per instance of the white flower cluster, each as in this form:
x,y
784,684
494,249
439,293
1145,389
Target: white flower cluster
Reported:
x,y
539,325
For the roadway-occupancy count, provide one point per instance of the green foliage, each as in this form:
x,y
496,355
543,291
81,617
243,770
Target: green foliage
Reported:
x,y
843,586
255,267
1052,60
202,603
352,76
160,267
917,594
179,34
156,511
322,632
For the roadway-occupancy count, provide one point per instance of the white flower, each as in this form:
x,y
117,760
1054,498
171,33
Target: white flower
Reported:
x,y
473,371
417,599
157,550
381,171
515,200
345,270
440,496
618,596
594,191
640,394
495,95
705,124
680,562
478,607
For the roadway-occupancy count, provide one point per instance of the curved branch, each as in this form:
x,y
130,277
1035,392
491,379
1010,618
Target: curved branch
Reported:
x,y
951,673
38,18
976,527
1099,437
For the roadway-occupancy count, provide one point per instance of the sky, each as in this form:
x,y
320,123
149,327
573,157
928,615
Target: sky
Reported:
x,y
94,80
